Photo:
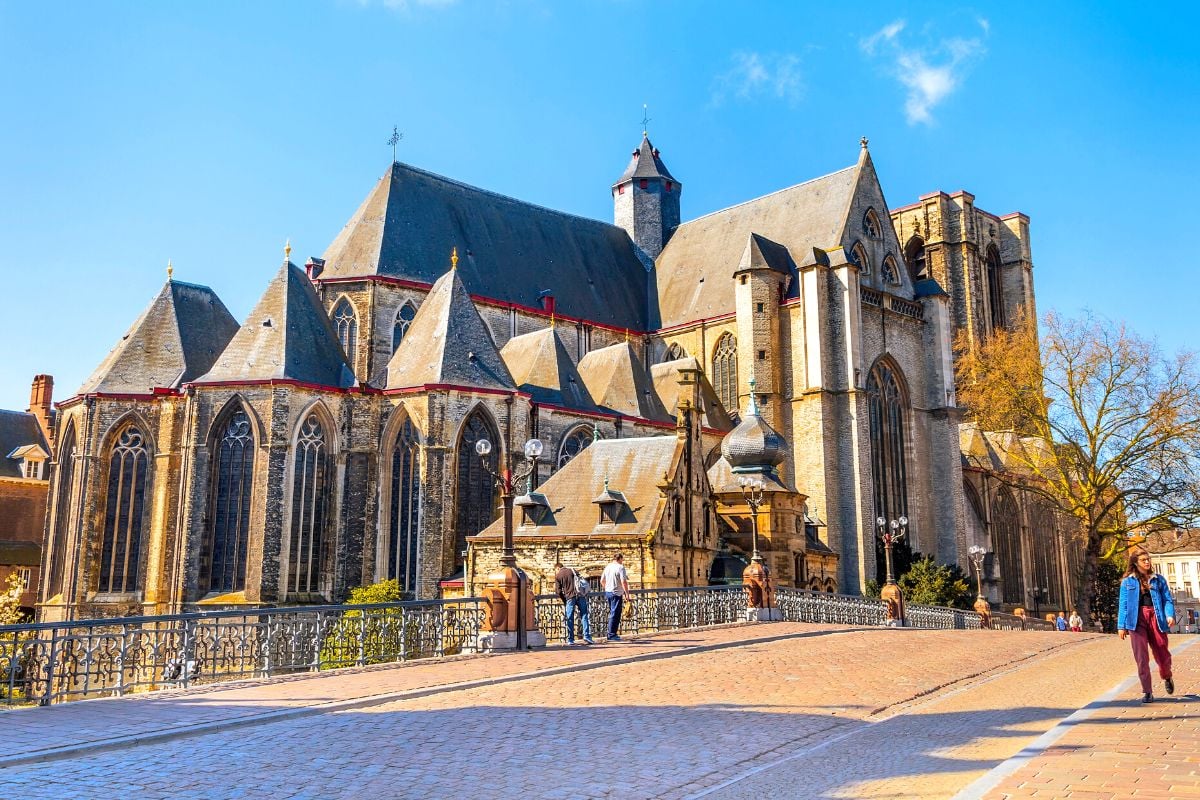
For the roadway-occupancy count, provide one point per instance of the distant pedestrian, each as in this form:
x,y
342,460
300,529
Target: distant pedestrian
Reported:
x,y
573,591
1060,622
615,582
1076,622
1145,613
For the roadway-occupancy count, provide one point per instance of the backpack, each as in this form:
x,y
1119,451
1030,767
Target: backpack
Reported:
x,y
582,587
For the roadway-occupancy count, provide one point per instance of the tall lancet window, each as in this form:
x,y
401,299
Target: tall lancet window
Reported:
x,y
995,288
725,372
405,509
475,493
65,478
121,547
914,255
887,407
404,318
224,568
1047,566
345,322
1006,538
310,489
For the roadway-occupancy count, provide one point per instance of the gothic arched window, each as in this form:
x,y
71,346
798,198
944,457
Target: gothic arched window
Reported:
x,y
65,478
995,288
675,352
404,318
475,493
724,373
1047,566
889,271
871,224
1006,538
310,489
888,406
224,567
858,255
121,547
914,256
404,509
574,444
345,322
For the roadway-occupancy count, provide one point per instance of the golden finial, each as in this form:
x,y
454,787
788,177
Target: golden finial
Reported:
x,y
287,250
627,336
170,270
454,258
552,321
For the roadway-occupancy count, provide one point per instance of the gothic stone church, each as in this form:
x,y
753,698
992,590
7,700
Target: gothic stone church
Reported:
x,y
328,441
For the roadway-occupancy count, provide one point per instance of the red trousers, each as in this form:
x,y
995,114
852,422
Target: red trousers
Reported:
x,y
1148,635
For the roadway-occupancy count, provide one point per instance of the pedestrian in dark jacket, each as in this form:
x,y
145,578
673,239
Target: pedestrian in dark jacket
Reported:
x,y
1145,613
572,590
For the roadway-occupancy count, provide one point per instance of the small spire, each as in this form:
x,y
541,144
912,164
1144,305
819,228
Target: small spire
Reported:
x,y
627,336
454,258
170,270
287,250
606,481
552,321
645,120
753,400
595,432
863,142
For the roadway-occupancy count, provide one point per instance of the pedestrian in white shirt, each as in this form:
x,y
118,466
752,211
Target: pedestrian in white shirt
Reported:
x,y
615,582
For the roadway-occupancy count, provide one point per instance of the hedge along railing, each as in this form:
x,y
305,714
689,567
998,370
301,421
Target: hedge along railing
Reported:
x,y
650,611
49,662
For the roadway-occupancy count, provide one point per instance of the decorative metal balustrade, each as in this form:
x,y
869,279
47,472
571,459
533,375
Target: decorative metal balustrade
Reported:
x,y
1019,622
938,617
802,605
650,611
49,662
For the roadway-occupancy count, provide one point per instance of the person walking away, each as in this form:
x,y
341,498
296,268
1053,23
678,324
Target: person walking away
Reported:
x,y
1145,612
1076,622
1060,622
566,585
615,582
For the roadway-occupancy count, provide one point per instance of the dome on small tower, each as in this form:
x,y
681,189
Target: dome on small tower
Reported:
x,y
754,446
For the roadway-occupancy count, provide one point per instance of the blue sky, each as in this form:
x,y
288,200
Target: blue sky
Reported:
x,y
208,133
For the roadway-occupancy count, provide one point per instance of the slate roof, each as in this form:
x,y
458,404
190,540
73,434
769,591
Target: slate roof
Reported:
x,y
645,163
540,365
666,385
762,253
17,428
724,481
287,336
510,250
176,339
634,468
617,382
448,343
694,270
1170,542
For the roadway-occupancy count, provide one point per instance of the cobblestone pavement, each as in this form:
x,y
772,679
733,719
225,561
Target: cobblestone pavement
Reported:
x,y
791,711
1125,748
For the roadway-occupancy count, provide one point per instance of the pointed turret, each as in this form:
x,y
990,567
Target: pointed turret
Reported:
x,y
616,380
646,200
288,336
176,339
448,343
540,365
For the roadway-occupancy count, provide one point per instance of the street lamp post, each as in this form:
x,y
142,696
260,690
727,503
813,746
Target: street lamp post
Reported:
x,y
510,583
752,492
891,532
1037,600
982,607
757,576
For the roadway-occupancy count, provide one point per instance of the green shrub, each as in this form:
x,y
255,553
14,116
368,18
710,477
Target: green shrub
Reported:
x,y
928,583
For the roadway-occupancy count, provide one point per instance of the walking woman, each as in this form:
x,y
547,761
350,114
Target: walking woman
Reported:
x,y
1145,613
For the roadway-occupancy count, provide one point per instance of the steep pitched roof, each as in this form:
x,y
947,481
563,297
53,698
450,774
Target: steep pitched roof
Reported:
x,y
633,468
448,343
288,336
17,429
177,338
645,163
762,253
693,272
616,380
510,250
666,378
540,365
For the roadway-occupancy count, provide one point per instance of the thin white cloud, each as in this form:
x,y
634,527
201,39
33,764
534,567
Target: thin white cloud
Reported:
x,y
929,73
405,5
755,75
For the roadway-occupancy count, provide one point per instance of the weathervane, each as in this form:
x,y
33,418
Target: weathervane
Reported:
x,y
645,120
395,140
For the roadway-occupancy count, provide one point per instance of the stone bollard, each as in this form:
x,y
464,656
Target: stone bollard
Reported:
x,y
760,594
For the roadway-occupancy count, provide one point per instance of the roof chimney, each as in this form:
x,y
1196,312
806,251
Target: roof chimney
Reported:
x,y
41,395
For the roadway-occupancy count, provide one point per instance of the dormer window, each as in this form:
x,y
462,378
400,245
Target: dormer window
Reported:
x,y
32,460
534,508
33,469
612,505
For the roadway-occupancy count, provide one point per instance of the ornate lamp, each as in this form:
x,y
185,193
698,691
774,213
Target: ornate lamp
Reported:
x,y
982,606
890,532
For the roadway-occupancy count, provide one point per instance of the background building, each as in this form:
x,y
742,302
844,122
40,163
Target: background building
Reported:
x,y
25,447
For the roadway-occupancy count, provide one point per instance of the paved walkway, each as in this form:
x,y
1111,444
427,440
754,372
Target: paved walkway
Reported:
x,y
781,710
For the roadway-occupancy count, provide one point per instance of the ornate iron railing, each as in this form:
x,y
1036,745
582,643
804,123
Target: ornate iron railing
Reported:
x,y
938,617
1019,622
802,605
49,662
650,611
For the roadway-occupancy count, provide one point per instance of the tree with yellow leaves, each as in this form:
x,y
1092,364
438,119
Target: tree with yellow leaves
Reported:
x,y
1108,428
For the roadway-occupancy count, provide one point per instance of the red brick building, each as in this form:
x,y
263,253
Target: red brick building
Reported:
x,y
24,485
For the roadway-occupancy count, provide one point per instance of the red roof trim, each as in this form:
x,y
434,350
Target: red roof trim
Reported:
x,y
453,387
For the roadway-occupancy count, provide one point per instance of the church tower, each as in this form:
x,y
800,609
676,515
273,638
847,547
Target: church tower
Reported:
x,y
646,200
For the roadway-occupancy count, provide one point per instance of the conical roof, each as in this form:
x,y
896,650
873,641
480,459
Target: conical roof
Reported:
x,y
762,253
666,377
753,446
646,163
448,343
540,365
176,338
616,380
287,336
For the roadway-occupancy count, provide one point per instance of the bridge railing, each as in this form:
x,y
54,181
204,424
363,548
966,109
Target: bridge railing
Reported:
x,y
650,611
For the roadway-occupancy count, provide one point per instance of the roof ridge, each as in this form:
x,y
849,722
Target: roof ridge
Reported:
x,y
769,194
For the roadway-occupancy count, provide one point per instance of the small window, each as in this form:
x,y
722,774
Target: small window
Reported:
x,y
670,186
760,307
889,270
743,280
643,184
26,575
858,255
762,355
871,224
621,189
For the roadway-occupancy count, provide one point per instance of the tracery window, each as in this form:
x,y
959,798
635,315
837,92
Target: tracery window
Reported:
x,y
1047,566
224,567
404,509
404,318
887,406
675,352
995,288
888,270
310,489
574,444
345,322
858,255
725,377
475,493
120,548
914,256
62,513
871,224
1006,538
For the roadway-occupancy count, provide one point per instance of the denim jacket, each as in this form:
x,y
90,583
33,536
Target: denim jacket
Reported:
x,y
1160,594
